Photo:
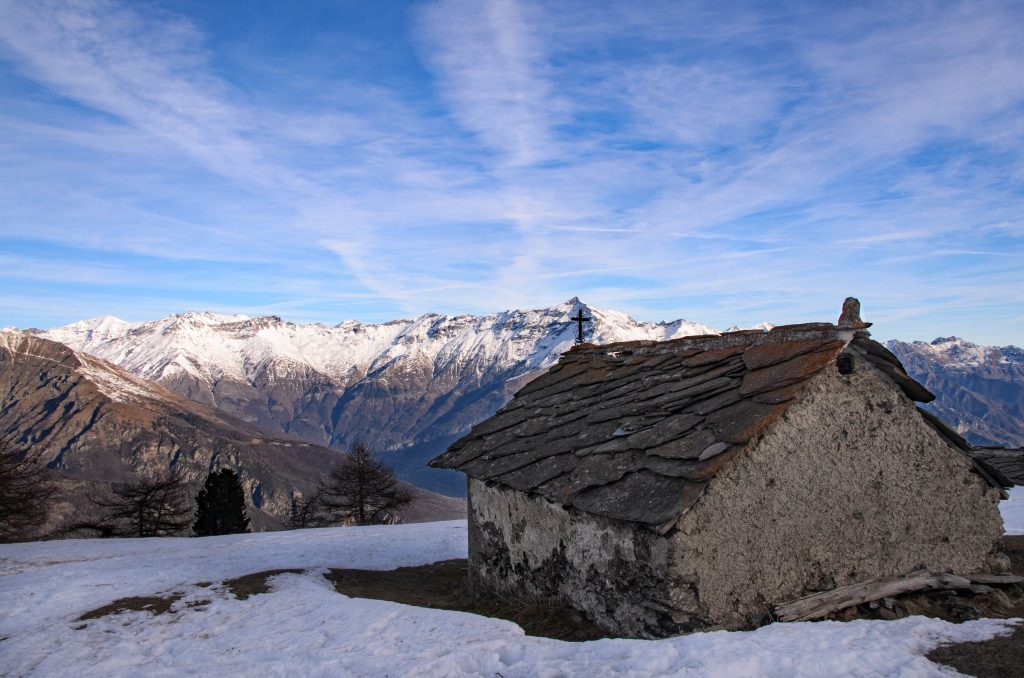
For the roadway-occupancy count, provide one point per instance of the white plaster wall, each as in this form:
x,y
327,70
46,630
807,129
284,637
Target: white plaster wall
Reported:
x,y
849,485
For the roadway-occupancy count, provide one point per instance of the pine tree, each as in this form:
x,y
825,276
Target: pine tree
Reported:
x,y
220,506
362,490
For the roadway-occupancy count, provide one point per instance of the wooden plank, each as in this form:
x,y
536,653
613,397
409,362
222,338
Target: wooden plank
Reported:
x,y
995,579
819,605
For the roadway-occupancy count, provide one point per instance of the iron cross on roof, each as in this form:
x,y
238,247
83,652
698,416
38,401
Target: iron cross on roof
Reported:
x,y
579,319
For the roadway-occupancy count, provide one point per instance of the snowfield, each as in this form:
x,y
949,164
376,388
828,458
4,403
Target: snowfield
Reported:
x,y
303,627
1013,511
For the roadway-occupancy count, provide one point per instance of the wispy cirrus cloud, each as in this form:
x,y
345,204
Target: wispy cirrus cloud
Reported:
x,y
730,165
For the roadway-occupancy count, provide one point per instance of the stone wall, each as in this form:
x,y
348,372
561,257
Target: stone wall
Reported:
x,y
849,485
521,546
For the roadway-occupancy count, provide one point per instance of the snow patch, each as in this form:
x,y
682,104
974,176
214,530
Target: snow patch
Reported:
x,y
1013,511
119,387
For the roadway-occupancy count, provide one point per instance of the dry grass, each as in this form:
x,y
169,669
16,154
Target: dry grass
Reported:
x,y
443,586
151,604
255,583
240,587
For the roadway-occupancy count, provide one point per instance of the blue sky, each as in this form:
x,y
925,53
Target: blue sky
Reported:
x,y
723,162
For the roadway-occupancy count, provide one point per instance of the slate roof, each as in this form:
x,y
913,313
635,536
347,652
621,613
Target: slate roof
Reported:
x,y
635,430
1007,460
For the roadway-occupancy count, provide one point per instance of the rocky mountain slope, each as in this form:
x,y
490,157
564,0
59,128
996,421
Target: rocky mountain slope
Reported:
x,y
979,389
408,388
96,423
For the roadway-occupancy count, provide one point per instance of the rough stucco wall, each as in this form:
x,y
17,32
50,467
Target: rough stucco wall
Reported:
x,y
849,485
524,546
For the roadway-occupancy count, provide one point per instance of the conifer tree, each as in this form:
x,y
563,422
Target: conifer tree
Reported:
x,y
220,506
26,494
146,507
307,513
362,490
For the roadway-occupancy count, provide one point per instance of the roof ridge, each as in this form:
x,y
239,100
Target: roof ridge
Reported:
x,y
778,334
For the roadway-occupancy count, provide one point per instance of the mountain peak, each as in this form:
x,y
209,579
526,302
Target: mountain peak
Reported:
x,y
209,317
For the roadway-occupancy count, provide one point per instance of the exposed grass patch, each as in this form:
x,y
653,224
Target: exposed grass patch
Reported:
x,y
151,604
255,583
240,587
443,586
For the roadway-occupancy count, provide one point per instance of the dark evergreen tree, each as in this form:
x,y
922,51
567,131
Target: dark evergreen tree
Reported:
x,y
220,506
26,494
361,490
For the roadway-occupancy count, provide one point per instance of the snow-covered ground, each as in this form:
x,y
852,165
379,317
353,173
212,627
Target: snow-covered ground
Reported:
x,y
303,627
1013,511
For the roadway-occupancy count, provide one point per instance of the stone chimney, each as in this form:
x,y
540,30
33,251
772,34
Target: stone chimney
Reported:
x,y
850,319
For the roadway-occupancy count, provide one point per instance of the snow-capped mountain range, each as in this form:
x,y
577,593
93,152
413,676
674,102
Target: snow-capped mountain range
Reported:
x,y
406,387
957,353
211,347
979,389
410,387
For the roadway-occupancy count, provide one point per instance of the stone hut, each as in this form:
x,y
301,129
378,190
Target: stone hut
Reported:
x,y
665,487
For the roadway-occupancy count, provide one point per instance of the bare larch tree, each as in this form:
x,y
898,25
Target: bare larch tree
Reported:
x,y
149,507
26,495
307,512
361,490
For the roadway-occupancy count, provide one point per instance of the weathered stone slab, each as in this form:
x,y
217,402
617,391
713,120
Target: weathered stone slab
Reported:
x,y
739,422
712,356
712,450
542,424
617,444
712,466
600,469
715,402
642,497
639,363
539,472
765,355
489,468
802,327
688,447
786,372
779,395
877,350
1009,461
677,468
678,399
667,429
